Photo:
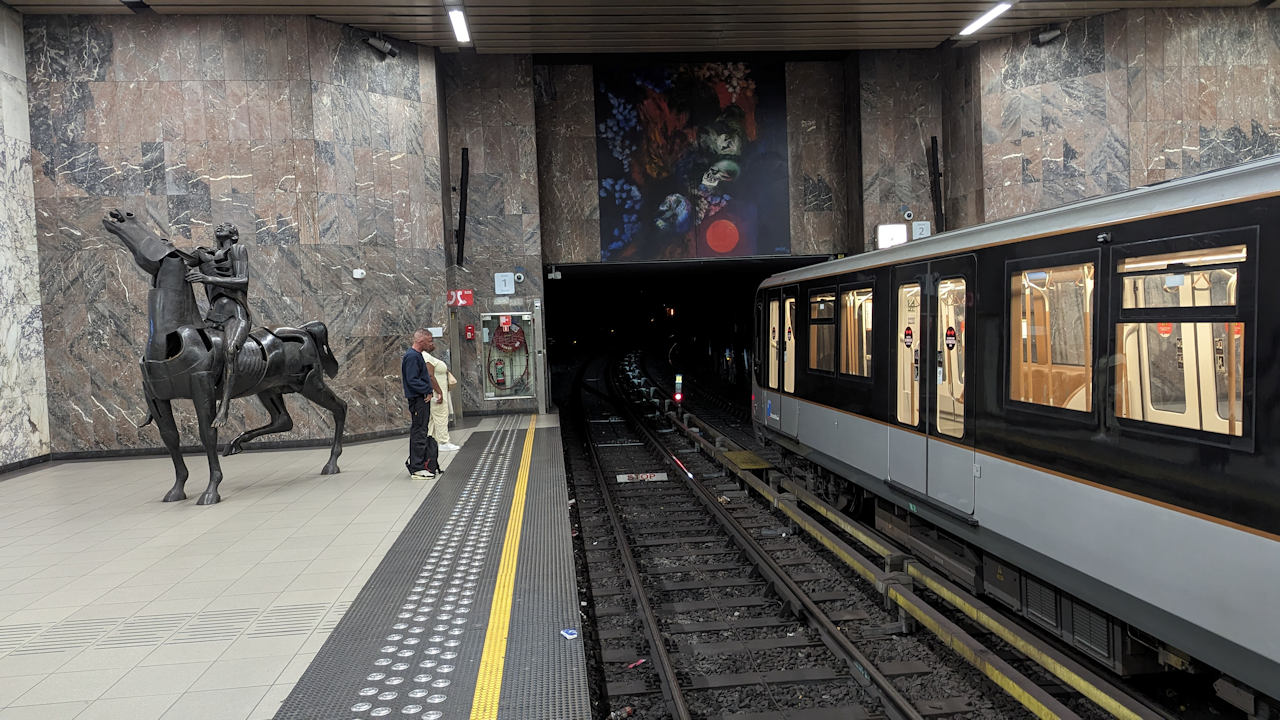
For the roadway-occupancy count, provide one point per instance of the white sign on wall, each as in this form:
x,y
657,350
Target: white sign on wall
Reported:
x,y
504,283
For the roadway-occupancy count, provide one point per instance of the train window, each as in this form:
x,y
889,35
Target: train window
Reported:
x,y
822,330
1175,372
1186,374
773,344
788,349
855,332
908,341
1051,326
1195,278
950,351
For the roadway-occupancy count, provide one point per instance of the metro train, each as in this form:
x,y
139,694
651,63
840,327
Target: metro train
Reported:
x,y
1074,412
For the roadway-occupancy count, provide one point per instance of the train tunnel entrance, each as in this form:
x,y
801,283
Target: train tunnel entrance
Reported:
x,y
697,312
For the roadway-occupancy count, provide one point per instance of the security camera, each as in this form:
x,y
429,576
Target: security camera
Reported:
x,y
1045,37
908,215
519,277
382,46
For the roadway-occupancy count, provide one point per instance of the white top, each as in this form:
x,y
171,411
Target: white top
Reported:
x,y
441,372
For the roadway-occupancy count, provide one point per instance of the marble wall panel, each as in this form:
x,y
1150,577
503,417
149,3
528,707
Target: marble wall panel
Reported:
x,y
1124,100
900,104
489,105
290,127
568,175
961,141
24,417
816,158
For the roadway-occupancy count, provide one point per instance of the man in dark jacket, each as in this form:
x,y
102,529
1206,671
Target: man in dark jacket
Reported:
x,y
419,385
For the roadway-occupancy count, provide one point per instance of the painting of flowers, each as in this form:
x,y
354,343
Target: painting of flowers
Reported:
x,y
692,160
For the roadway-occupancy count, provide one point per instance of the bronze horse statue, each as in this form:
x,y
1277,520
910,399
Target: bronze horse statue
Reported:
x,y
184,359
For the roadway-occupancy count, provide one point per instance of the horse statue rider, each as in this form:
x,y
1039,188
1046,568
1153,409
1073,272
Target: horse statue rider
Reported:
x,y
224,271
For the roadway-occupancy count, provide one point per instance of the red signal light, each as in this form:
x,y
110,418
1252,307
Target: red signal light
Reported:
x,y
679,397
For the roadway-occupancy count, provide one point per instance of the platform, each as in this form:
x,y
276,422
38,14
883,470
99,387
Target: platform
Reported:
x,y
285,599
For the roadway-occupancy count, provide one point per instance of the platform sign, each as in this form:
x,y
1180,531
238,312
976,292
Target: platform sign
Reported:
x,y
642,477
460,298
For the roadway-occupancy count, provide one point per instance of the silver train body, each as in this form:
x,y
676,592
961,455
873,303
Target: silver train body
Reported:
x,y
1076,412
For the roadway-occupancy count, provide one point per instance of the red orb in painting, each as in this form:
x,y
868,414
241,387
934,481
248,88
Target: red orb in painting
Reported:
x,y
722,236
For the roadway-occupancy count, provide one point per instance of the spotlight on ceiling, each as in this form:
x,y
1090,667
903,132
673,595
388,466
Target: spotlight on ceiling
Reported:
x,y
459,21
382,46
1044,37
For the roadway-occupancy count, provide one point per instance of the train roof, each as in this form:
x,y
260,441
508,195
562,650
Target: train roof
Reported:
x,y
1257,179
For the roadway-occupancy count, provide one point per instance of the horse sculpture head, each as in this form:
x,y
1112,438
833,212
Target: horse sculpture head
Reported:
x,y
148,248
171,302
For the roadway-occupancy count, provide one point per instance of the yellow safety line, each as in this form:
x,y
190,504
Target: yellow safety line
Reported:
x,y
484,706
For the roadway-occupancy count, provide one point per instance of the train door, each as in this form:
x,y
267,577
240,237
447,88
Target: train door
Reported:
x,y
951,454
932,452
908,448
773,360
789,359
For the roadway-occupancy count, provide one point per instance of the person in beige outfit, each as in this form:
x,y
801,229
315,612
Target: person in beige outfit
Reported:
x,y
440,411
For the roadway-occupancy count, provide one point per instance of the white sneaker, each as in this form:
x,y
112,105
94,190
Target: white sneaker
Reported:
x,y
449,447
422,475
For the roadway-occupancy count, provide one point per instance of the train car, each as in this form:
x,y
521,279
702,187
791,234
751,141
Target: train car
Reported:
x,y
1075,412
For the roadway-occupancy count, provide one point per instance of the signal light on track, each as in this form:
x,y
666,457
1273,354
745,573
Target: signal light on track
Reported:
x,y
679,397
679,388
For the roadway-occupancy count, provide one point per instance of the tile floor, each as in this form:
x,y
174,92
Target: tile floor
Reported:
x,y
114,605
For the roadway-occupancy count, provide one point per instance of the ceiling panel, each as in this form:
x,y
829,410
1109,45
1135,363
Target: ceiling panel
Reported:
x,y
609,26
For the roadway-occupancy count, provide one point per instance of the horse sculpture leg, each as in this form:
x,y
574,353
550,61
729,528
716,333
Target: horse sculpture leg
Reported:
x,y
315,390
202,387
162,411
280,422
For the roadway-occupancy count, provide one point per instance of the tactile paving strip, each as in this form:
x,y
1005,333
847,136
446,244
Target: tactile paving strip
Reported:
x,y
410,644
545,676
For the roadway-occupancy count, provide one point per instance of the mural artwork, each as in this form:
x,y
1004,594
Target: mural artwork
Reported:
x,y
692,160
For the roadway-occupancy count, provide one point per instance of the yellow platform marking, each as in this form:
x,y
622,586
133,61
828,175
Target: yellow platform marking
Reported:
x,y
484,706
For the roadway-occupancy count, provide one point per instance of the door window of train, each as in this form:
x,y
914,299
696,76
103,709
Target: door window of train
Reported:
x,y
855,332
1051,353
788,346
772,355
822,330
1171,371
950,351
909,341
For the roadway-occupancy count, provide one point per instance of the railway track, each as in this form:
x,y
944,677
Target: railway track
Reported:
x,y
708,605
1011,656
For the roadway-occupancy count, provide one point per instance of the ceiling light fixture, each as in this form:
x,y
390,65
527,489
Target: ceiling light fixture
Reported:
x,y
992,14
459,26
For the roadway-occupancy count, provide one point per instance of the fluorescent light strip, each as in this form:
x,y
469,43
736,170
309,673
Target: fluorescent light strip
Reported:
x,y
992,14
459,26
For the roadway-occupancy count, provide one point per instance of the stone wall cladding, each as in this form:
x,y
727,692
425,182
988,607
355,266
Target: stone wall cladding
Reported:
x,y
319,149
24,415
